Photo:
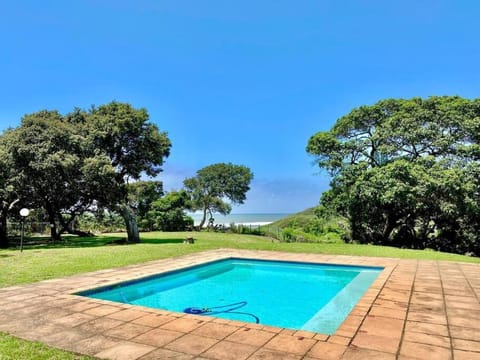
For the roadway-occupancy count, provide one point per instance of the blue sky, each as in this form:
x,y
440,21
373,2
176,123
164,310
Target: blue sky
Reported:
x,y
246,82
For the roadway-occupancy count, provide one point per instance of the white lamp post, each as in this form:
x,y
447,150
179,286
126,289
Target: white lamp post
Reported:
x,y
23,213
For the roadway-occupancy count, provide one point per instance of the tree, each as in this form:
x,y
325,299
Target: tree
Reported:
x,y
8,195
133,145
168,213
216,183
46,153
396,170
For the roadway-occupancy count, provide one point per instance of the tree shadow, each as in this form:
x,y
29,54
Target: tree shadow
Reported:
x,y
38,243
161,241
34,243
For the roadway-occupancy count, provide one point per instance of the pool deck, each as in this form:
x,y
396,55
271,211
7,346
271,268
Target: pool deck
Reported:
x,y
415,309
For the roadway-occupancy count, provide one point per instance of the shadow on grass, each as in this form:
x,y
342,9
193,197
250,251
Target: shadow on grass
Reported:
x,y
161,241
36,243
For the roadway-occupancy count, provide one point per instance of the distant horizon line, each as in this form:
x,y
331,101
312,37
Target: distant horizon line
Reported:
x,y
247,213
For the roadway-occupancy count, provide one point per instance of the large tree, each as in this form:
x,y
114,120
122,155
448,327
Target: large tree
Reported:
x,y
214,184
134,147
393,166
46,153
73,163
8,193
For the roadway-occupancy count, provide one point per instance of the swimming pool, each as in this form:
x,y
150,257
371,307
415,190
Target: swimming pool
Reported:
x,y
294,295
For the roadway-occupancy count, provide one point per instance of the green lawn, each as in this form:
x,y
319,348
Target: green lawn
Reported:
x,y
77,255
12,348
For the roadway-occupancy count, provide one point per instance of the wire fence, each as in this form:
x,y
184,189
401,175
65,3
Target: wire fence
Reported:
x,y
30,228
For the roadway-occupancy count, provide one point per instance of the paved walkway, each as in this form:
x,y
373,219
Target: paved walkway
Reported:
x,y
414,310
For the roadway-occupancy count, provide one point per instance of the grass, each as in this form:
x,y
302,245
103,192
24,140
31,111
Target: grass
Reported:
x,y
12,348
77,255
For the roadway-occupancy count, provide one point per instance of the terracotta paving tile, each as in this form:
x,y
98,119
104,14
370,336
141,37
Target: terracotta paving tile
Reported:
x,y
251,336
93,345
127,315
191,344
466,345
101,310
158,337
464,322
64,338
354,353
386,312
265,354
466,355
153,320
327,351
375,342
125,351
323,337
382,326
226,350
183,324
427,339
464,313
465,333
427,328
423,351
427,317
291,344
454,299
341,340
74,319
305,334
436,306
100,325
163,354
214,330
127,331
289,332
82,306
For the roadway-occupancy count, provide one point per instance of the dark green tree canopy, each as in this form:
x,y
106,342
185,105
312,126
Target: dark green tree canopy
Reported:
x,y
403,172
133,144
444,127
66,164
215,183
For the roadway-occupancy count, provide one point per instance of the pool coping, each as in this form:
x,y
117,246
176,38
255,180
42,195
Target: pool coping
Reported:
x,y
414,309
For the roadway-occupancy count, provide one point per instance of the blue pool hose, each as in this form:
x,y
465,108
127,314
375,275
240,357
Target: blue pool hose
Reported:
x,y
220,309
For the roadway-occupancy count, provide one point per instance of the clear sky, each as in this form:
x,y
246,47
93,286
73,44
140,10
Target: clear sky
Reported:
x,y
246,82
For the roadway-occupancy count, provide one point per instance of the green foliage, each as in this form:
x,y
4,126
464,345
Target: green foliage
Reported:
x,y
101,222
310,225
214,183
70,164
8,193
405,173
168,213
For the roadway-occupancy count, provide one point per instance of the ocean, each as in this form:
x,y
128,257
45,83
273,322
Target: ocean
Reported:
x,y
240,219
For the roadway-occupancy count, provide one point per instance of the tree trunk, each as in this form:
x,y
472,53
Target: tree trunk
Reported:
x,y
390,224
54,234
128,216
4,243
204,219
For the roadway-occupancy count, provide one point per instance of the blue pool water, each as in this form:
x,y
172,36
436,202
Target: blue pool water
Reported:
x,y
301,296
